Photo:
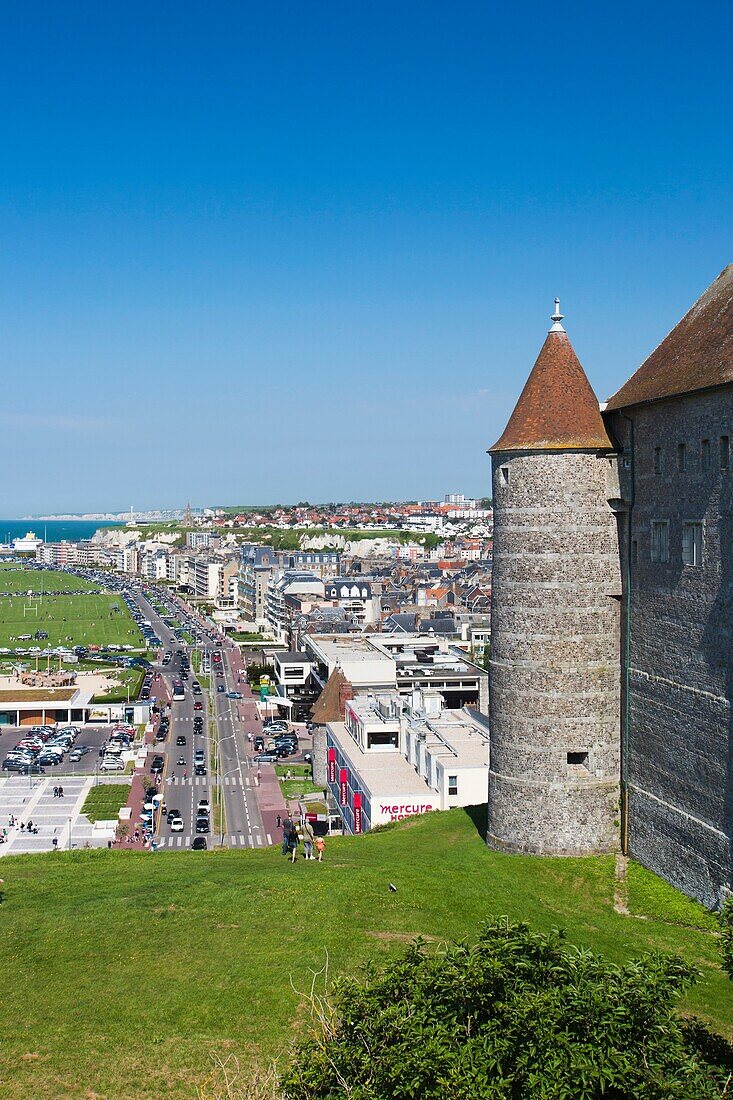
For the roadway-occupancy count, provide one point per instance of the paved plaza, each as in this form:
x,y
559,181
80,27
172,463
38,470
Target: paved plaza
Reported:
x,y
31,798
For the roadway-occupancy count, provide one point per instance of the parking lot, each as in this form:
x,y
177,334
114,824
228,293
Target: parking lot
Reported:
x,y
91,736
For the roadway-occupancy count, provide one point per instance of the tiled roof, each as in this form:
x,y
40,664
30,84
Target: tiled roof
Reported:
x,y
697,354
327,707
557,409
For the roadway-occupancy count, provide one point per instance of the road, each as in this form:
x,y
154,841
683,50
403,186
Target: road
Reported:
x,y
181,789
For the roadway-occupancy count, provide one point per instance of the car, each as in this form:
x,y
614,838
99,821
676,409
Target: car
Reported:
x,y
220,688
157,765
285,750
259,744
176,825
181,739
22,767
198,705
234,695
181,762
112,764
51,759
198,844
202,824
204,806
199,769
266,758
172,814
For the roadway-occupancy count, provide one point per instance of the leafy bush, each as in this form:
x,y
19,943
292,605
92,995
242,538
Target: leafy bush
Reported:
x,y
517,1016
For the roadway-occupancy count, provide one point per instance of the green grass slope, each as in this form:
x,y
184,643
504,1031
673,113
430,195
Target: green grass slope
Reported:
x,y
124,973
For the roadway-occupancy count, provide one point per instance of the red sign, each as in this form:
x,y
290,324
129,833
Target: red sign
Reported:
x,y
331,765
344,785
357,812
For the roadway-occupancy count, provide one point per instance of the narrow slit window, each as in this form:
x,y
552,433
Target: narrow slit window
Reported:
x,y
724,452
657,460
504,470
681,457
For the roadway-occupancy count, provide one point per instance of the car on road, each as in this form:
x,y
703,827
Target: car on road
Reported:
x,y
199,769
176,825
181,739
234,695
198,705
221,688
172,814
198,844
204,806
181,762
202,824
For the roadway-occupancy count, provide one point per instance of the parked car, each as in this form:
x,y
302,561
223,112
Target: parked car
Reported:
x,y
266,758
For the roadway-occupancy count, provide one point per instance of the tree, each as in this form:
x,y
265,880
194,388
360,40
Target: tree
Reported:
x,y
520,1014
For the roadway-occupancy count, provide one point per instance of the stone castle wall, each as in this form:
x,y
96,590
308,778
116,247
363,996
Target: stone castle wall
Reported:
x,y
680,732
554,669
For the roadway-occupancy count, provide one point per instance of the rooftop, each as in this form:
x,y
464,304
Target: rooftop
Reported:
x,y
382,773
557,409
696,355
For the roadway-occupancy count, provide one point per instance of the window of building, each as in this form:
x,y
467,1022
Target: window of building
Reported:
x,y
660,540
724,452
634,551
705,454
452,784
692,544
504,470
681,457
657,460
578,762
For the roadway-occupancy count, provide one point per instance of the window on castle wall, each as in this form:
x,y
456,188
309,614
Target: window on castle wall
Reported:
x,y
660,541
504,471
724,452
681,457
692,544
657,460
578,762
705,454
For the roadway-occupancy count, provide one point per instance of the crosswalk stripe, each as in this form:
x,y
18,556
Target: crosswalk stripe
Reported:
x,y
188,841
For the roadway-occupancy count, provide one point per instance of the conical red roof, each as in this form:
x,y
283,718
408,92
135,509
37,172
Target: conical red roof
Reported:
x,y
557,409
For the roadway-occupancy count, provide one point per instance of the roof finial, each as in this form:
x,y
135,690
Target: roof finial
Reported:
x,y
557,318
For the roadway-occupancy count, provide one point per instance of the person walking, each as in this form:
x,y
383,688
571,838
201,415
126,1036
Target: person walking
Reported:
x,y
55,792
293,840
287,829
61,792
320,848
279,821
308,839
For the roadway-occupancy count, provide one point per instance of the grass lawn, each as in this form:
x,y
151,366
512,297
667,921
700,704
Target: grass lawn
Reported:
x,y
103,802
69,620
131,678
42,580
301,782
123,973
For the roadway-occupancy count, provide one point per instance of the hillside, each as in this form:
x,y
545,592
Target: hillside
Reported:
x,y
123,972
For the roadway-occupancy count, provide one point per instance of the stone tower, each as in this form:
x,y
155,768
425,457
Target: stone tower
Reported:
x,y
555,610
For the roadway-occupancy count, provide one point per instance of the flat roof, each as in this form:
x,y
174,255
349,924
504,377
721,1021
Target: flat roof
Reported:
x,y
293,658
38,695
382,773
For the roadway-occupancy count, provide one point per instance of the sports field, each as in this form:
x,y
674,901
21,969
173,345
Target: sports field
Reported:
x,y
13,579
94,618
125,973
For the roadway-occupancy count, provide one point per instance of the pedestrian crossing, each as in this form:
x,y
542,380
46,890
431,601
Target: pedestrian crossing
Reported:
x,y
234,840
203,781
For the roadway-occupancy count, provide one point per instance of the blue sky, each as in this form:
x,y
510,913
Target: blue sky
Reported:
x,y
257,252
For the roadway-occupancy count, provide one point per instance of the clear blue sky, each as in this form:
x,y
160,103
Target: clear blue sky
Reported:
x,y
275,251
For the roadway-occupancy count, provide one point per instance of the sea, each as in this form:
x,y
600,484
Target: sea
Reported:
x,y
51,530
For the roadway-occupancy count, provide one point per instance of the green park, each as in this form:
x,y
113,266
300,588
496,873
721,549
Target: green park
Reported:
x,y
135,974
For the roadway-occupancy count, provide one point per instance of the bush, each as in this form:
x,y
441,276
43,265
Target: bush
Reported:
x,y
517,1015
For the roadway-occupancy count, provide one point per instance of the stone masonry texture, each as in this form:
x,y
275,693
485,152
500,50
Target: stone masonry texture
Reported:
x,y
554,669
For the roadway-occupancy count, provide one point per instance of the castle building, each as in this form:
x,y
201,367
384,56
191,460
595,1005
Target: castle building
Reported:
x,y
612,609
555,614
674,422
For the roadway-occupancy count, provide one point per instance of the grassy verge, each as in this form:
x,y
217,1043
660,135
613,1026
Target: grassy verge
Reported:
x,y
650,896
68,990
103,803
129,678
300,782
